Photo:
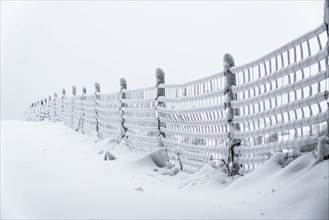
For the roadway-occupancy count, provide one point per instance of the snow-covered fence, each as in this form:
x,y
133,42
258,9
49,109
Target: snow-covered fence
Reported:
x,y
123,86
282,99
240,116
36,111
88,118
53,110
43,109
194,122
67,109
31,112
108,114
76,109
139,117
50,107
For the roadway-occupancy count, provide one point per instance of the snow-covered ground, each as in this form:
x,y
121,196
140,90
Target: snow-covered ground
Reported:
x,y
50,171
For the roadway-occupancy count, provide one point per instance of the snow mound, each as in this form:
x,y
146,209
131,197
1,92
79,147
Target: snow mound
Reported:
x,y
171,172
157,157
120,148
266,170
109,156
30,155
300,185
105,145
114,140
322,149
140,189
209,176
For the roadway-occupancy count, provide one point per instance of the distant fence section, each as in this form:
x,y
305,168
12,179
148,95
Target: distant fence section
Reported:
x,y
240,116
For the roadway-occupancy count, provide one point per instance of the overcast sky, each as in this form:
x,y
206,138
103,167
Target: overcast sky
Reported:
x,y
50,45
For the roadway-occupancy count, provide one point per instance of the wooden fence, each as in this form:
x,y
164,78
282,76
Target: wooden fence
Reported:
x,y
241,116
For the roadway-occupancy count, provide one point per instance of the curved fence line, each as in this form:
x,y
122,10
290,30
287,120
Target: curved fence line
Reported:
x,y
239,117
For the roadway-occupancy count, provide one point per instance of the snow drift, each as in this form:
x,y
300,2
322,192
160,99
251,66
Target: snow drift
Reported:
x,y
157,157
49,171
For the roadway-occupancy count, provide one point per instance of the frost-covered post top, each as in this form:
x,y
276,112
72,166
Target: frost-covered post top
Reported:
x,y
326,12
123,84
228,62
160,76
84,90
74,90
55,95
63,92
97,87
160,79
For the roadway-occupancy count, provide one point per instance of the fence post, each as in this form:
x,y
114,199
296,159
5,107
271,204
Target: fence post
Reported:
x,y
31,112
123,85
82,116
96,98
55,106
37,111
44,100
63,95
46,103
38,115
48,108
160,79
42,109
34,111
74,93
230,96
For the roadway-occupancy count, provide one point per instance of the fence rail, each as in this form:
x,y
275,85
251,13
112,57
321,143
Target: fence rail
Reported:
x,y
241,116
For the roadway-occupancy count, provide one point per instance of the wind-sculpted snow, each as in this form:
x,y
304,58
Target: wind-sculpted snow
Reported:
x,y
157,157
49,171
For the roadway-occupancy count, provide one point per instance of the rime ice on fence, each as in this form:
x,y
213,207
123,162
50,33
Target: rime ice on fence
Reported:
x,y
50,108
241,116
109,118
231,112
67,109
123,87
195,125
76,109
283,94
160,79
140,118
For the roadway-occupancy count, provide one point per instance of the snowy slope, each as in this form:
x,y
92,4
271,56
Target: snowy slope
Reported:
x,y
50,171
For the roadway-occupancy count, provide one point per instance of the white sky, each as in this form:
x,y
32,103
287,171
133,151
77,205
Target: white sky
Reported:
x,y
50,45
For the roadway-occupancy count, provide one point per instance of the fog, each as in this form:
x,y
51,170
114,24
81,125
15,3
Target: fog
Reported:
x,y
50,45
